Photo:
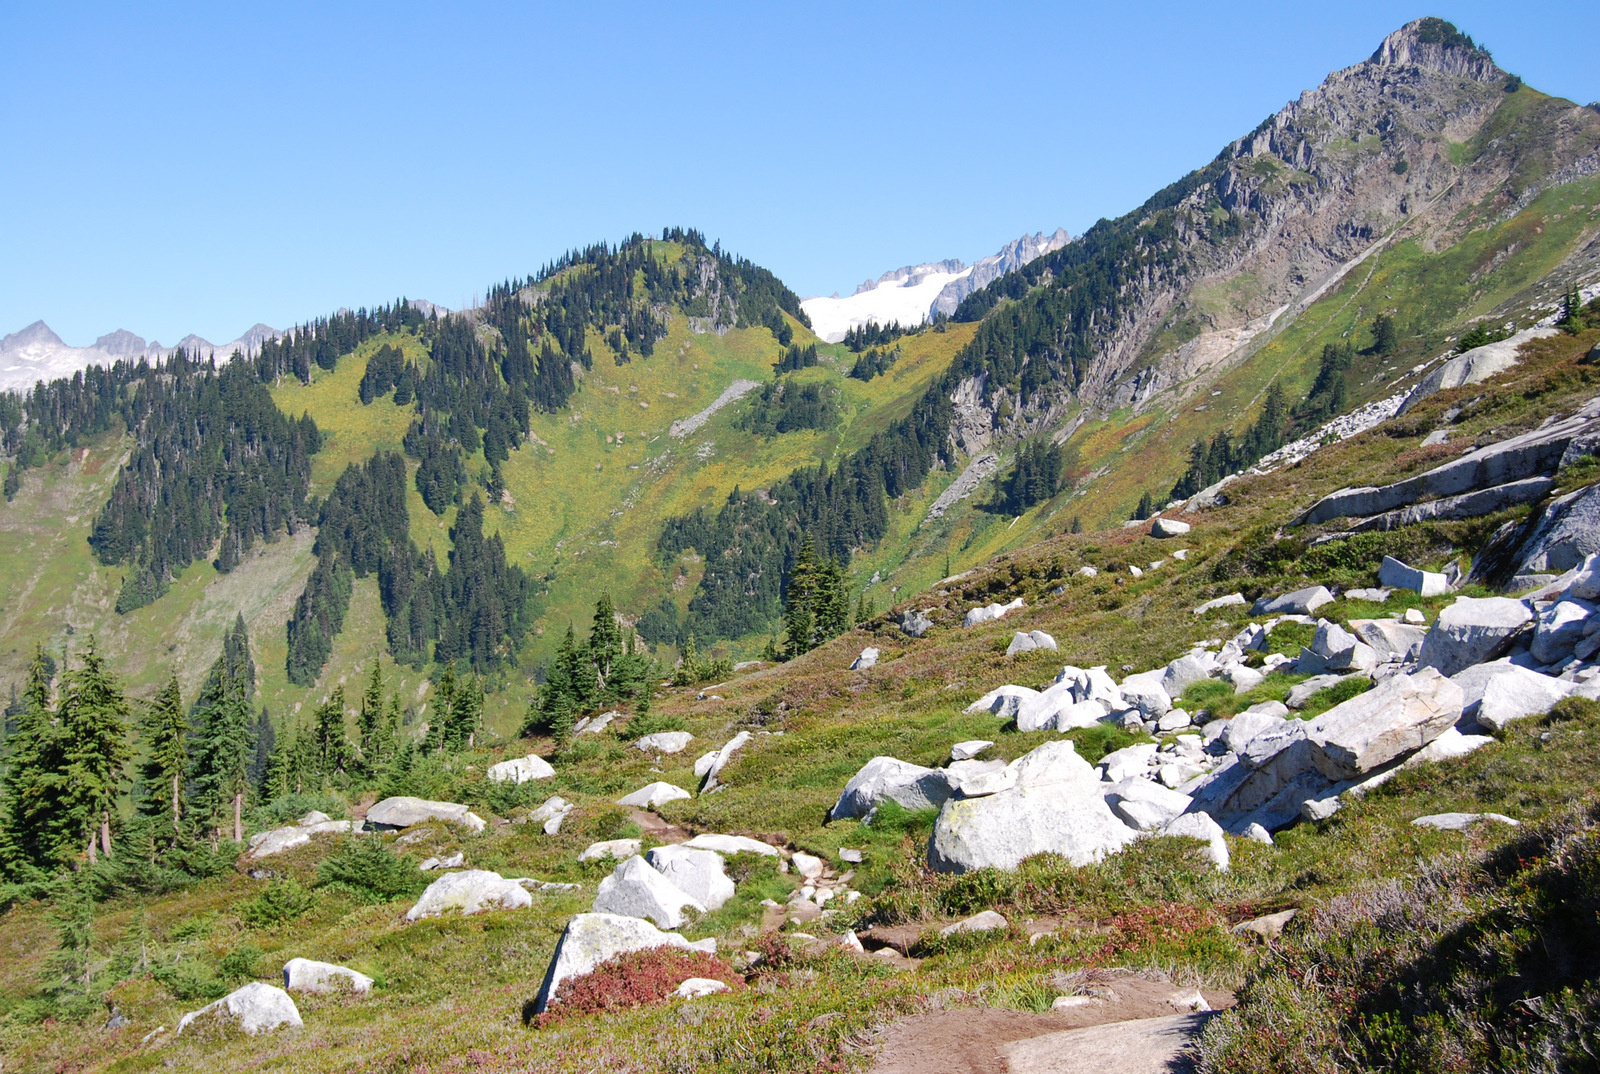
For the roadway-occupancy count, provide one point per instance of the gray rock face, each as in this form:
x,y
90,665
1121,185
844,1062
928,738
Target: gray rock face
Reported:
x,y
255,1008
470,891
590,939
402,812
654,794
1392,641
1185,671
1521,457
915,623
1396,717
1398,575
1475,366
1471,631
1145,693
1467,505
697,873
1340,650
521,770
665,742
887,778
305,975
1300,602
867,659
1000,830
634,889
1168,527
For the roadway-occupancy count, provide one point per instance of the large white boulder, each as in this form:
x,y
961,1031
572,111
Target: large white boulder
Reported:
x,y
1168,527
521,769
1146,805
610,848
1005,701
636,890
1185,671
908,785
1030,641
1398,716
470,891
276,841
255,1008
716,762
307,975
1559,627
664,742
1300,602
1145,693
550,814
392,814
867,659
1069,818
591,939
1202,827
1398,575
1390,639
990,613
730,844
698,873
1472,630
653,794
1499,692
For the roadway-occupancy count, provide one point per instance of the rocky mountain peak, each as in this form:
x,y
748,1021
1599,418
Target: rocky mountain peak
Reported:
x,y
1437,45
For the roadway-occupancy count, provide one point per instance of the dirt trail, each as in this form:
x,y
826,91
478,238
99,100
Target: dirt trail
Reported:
x,y
1136,1028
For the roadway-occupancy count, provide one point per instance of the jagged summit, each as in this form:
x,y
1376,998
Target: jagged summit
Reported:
x,y
1436,44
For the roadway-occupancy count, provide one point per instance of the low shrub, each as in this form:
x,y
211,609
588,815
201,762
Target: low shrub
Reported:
x,y
634,979
367,871
278,903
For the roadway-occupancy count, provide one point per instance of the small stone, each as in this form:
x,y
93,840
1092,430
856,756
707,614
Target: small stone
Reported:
x,y
807,865
965,751
654,794
1267,926
1415,618
983,921
699,987
305,975
610,848
853,857
1258,834
1457,822
867,659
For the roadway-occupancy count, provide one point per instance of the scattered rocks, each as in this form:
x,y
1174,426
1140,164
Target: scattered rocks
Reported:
x,y
305,975
664,742
637,890
256,1008
471,891
654,794
610,848
392,814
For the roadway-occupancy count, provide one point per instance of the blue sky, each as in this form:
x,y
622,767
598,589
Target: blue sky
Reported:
x,y
198,168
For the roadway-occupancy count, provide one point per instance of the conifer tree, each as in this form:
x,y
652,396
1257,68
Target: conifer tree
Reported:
x,y
328,721
800,617
164,729
605,640
225,733
93,715
37,824
465,715
374,746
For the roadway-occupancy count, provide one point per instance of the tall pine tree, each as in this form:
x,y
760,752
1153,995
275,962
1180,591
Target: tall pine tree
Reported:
x,y
165,731
225,734
93,715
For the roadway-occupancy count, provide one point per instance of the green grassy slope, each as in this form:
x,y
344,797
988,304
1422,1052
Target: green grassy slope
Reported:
x,y
450,992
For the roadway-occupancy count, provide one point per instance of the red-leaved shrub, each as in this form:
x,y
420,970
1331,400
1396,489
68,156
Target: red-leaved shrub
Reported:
x,y
635,978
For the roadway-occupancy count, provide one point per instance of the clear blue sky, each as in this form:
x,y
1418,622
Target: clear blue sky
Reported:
x,y
206,166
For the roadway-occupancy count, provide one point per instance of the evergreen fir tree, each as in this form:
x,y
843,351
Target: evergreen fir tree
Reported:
x,y
38,824
605,640
328,721
800,615
225,734
371,721
93,714
164,730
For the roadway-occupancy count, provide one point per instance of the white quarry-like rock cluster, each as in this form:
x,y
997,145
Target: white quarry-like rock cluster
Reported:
x,y
1431,693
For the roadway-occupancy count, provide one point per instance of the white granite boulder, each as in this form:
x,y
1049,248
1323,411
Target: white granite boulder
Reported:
x,y
590,939
1300,602
306,975
1030,641
990,612
1398,716
610,848
730,844
1168,527
277,840
698,873
1000,830
1560,627
1185,671
392,814
1458,822
1391,640
718,760
868,658
1472,630
521,769
982,921
654,794
1398,575
1005,701
1145,693
664,742
1232,600
550,813
470,891
635,889
1499,692
1146,805
699,988
907,785
255,1008
966,751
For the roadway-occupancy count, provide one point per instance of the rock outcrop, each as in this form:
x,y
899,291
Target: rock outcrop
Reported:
x,y
256,1008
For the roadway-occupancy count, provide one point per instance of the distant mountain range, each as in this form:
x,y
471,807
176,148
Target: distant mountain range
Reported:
x,y
914,294
36,353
